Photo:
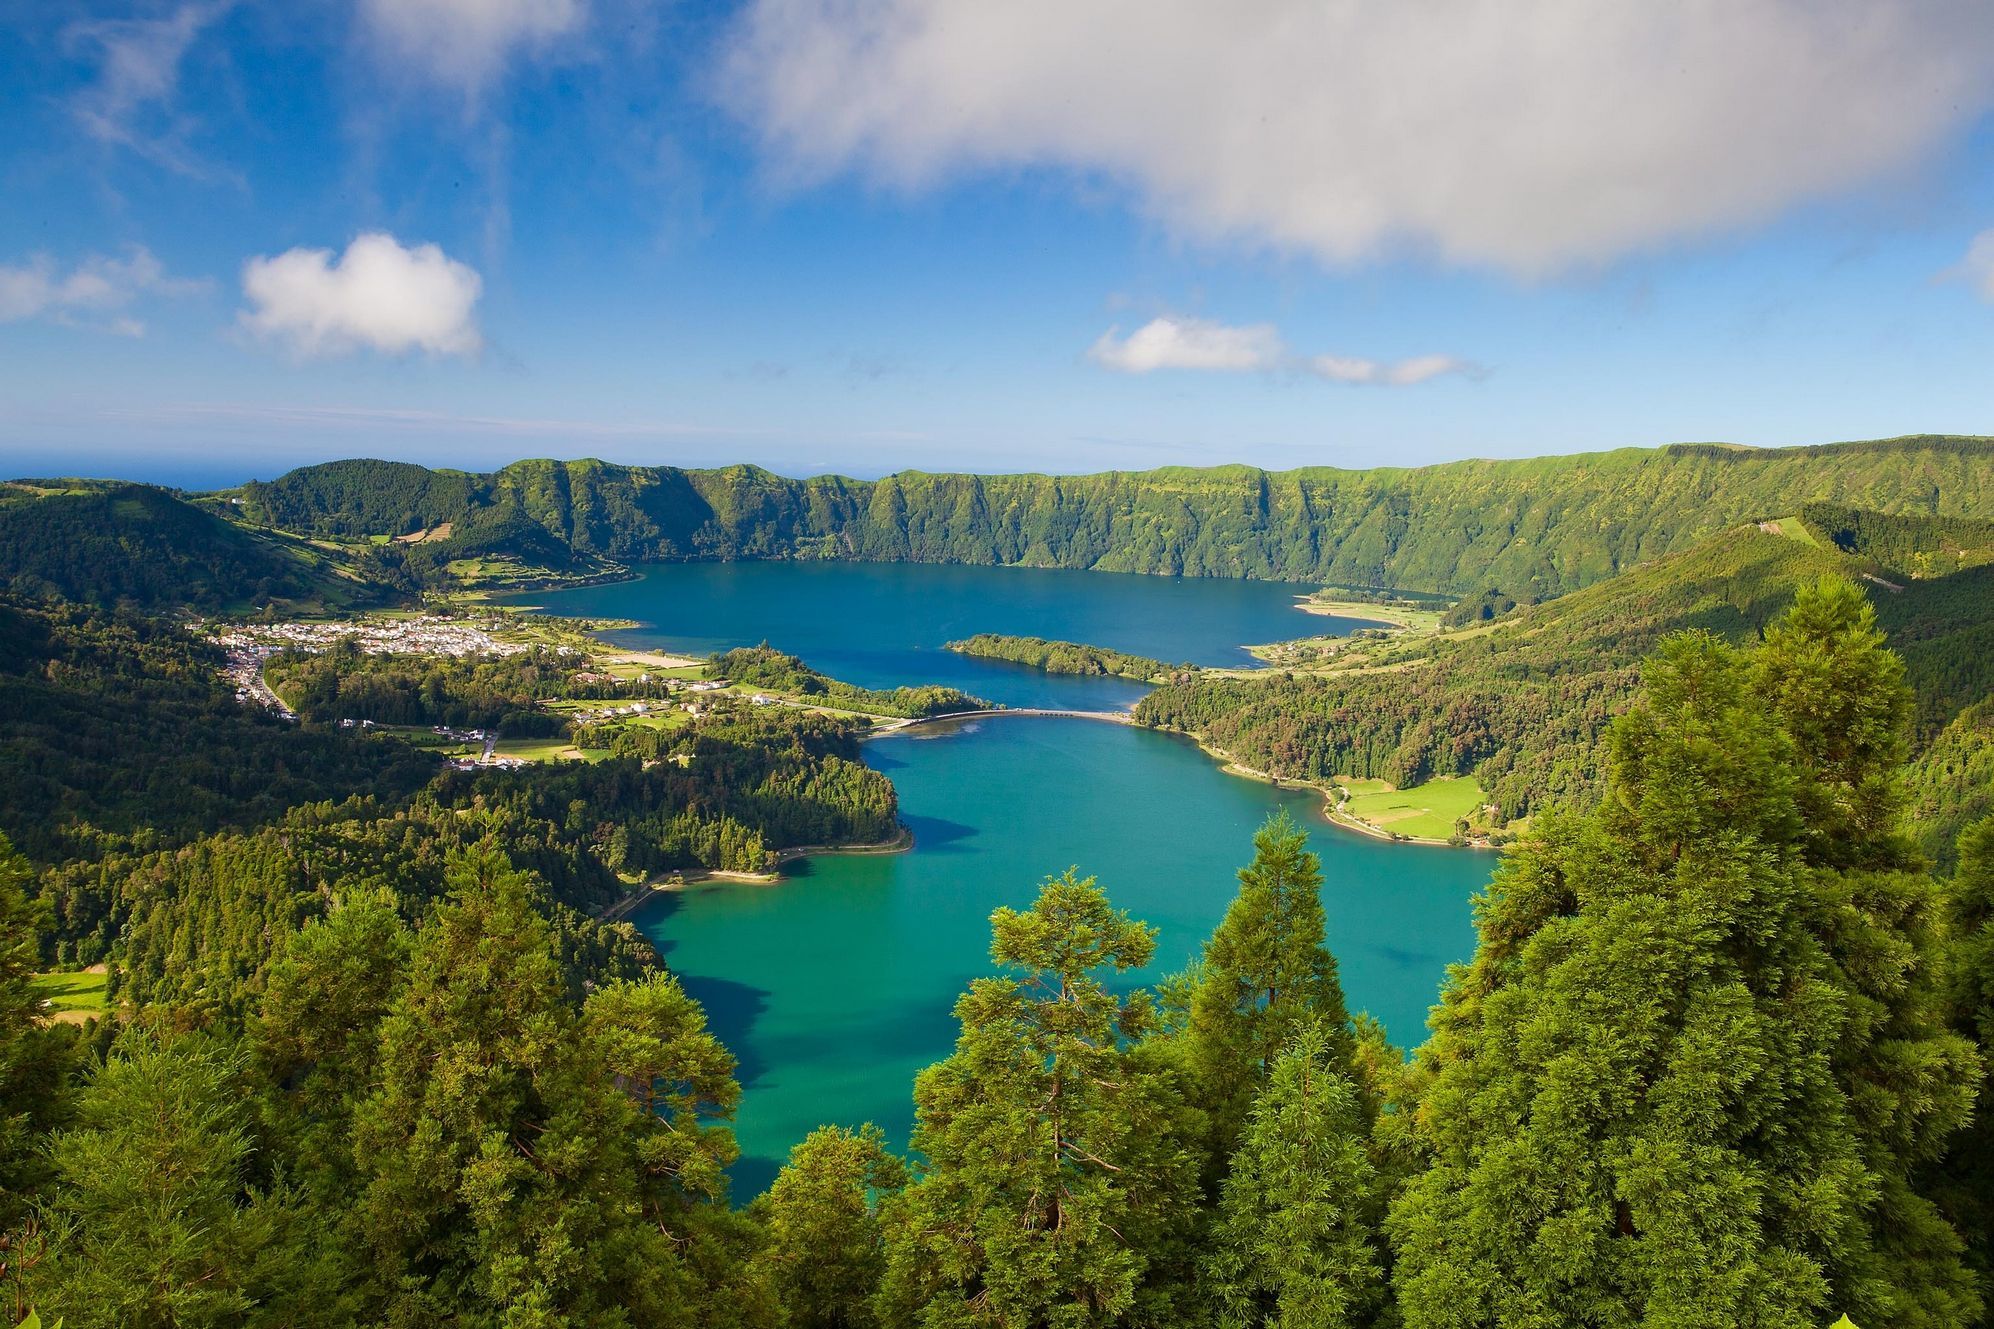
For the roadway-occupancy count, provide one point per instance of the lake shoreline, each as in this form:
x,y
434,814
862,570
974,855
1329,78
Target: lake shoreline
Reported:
x,y
1332,811
736,612
684,879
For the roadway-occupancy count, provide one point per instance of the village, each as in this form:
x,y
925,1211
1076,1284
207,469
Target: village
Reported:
x,y
415,635
248,647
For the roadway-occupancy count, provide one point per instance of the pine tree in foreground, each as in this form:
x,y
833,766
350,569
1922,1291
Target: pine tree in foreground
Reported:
x,y
37,1057
156,1219
1051,1177
825,1251
1696,1055
530,1166
1296,1241
1839,694
1266,974
1964,1179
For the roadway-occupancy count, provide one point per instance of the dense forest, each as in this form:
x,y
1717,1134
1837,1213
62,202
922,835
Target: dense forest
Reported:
x,y
495,692
121,745
1714,1063
116,729
1536,528
1523,700
1067,657
109,543
1917,546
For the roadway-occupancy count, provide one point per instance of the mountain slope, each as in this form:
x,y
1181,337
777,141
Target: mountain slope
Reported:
x,y
1535,528
1521,704
103,543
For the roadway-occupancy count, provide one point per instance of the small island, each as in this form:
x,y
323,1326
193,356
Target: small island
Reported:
x,y
1069,657
763,667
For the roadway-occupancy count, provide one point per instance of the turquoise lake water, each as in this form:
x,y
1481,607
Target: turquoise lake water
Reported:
x,y
835,986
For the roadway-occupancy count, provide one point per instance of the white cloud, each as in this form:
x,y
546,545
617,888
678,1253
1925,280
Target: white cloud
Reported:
x,y
131,101
1399,373
92,294
463,43
1172,341
377,295
1530,136
1977,268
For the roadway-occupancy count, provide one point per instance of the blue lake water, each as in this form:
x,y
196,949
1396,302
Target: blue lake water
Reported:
x,y
884,624
835,986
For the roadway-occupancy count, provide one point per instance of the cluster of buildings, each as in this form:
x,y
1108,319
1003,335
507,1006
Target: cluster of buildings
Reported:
x,y
248,646
387,636
244,668
626,710
487,763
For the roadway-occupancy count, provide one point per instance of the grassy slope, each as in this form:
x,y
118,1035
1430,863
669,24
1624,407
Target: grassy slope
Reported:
x,y
1534,527
78,993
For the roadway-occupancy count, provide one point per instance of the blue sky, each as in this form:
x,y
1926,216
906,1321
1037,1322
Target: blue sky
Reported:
x,y
935,234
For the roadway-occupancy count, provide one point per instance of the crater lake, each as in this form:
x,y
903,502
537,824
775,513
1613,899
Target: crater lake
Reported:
x,y
834,986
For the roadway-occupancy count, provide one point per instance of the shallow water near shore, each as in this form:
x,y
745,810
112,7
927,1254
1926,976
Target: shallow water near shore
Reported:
x,y
834,986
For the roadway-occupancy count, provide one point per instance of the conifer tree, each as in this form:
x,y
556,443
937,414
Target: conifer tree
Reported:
x,y
1964,1180
1839,694
1049,1172
826,1254
652,1037
1266,974
154,1221
37,1057
316,1035
1296,1243
1632,1114
1696,1057
507,1176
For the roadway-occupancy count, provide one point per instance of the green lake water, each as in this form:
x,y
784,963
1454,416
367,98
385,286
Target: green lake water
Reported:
x,y
835,986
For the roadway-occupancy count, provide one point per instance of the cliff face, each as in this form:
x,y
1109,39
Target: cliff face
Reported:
x,y
1541,526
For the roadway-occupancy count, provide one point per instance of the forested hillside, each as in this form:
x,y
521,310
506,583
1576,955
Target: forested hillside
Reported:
x,y
1522,702
1534,528
1915,545
121,745
1714,1063
107,542
117,729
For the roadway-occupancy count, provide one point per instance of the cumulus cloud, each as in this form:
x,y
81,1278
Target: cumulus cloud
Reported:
x,y
463,43
93,294
1172,341
377,295
1529,136
131,102
1977,268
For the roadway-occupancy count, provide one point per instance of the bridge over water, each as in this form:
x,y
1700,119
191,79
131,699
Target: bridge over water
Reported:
x,y
1111,717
